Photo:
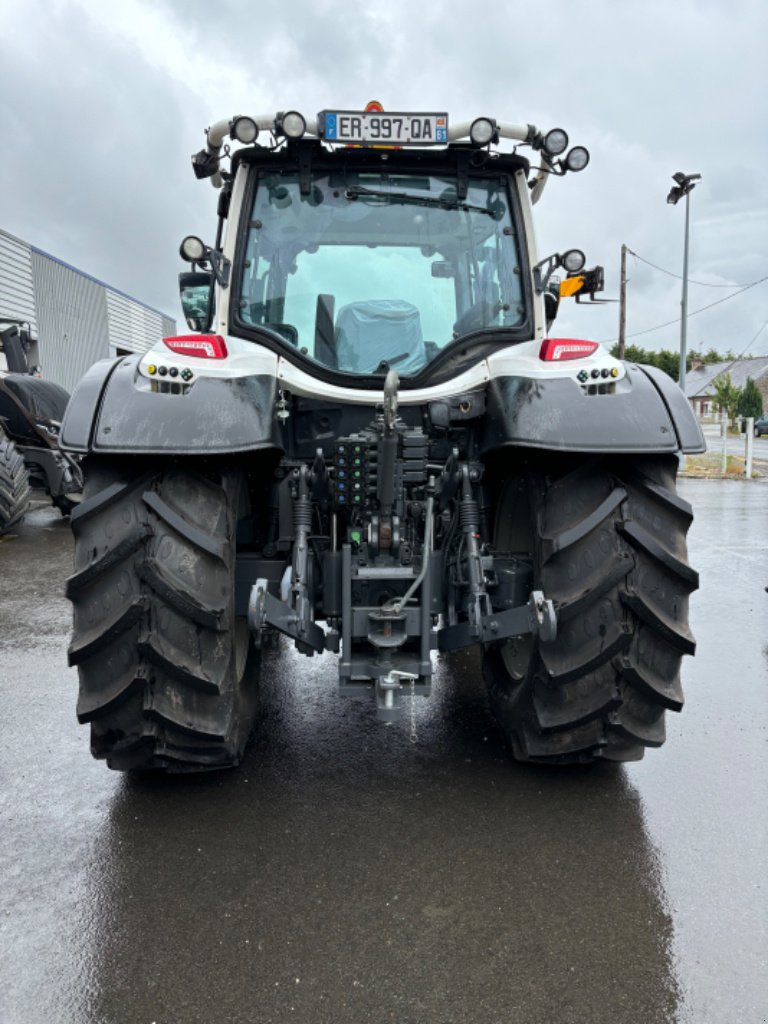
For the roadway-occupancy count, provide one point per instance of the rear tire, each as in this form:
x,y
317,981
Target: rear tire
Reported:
x,y
608,546
168,673
14,485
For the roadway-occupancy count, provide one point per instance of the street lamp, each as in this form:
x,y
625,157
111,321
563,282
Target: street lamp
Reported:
x,y
683,187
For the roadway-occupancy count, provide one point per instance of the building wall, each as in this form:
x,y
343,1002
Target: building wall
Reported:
x,y
74,318
17,292
133,327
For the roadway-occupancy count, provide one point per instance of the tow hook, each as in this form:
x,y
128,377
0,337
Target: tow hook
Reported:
x,y
389,694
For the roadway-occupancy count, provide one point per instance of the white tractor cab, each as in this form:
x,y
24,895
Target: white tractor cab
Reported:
x,y
370,425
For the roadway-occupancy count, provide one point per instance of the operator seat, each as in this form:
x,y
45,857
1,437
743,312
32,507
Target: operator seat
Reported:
x,y
374,335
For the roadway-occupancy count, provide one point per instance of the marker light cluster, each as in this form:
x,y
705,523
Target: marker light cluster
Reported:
x,y
558,349
202,346
170,371
605,373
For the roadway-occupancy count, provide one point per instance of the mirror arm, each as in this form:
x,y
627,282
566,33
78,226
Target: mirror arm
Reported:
x,y
548,266
221,267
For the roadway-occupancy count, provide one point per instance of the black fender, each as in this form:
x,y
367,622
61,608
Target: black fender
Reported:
x,y
645,411
116,409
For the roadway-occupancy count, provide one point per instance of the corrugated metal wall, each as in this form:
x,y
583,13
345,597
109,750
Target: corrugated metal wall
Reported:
x,y
17,293
81,320
72,320
133,327
75,318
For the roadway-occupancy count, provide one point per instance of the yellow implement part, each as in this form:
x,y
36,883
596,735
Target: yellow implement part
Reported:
x,y
571,286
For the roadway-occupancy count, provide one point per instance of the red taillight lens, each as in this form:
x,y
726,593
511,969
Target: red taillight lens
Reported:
x,y
203,346
555,349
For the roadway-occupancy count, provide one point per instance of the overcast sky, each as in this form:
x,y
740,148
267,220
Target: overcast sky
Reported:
x,y
101,106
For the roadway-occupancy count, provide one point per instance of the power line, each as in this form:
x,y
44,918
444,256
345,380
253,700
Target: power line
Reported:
x,y
704,284
669,323
754,339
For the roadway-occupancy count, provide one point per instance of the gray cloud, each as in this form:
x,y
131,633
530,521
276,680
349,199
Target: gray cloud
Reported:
x,y
101,112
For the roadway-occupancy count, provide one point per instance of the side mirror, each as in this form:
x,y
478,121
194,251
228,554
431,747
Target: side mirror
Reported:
x,y
196,292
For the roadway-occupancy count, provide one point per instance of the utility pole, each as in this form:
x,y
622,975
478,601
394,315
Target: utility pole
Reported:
x,y
623,302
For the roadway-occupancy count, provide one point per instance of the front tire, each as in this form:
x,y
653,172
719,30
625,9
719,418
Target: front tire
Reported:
x,y
607,539
168,673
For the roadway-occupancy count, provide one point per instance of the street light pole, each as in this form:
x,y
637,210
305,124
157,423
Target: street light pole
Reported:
x,y
684,301
685,184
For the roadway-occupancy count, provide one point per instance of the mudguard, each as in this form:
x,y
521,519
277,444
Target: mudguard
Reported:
x,y
643,412
115,409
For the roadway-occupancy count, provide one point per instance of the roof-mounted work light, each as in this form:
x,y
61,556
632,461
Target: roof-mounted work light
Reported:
x,y
555,142
576,159
483,131
245,130
291,124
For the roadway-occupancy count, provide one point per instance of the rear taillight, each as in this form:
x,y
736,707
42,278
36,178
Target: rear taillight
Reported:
x,y
203,346
555,349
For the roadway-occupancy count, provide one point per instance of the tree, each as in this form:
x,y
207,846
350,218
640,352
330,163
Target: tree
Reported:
x,y
665,360
726,394
750,400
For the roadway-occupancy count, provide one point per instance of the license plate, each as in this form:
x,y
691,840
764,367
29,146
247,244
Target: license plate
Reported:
x,y
351,127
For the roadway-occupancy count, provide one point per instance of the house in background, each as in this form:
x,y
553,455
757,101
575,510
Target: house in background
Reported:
x,y
699,379
74,318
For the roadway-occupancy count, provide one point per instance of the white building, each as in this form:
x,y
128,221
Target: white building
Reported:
x,y
74,318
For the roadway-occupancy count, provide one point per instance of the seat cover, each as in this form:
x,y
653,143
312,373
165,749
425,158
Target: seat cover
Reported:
x,y
380,330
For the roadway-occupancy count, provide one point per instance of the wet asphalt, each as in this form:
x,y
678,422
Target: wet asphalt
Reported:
x,y
348,874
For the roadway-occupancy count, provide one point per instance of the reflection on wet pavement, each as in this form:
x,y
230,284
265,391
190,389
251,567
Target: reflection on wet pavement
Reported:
x,y
347,874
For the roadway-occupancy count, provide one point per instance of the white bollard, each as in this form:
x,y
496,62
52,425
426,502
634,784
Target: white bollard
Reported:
x,y
724,432
749,436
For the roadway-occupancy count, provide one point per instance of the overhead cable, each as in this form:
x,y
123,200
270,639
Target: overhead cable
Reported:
x,y
669,323
704,284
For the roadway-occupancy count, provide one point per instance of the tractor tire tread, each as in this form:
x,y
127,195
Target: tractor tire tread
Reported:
x,y
611,554
154,634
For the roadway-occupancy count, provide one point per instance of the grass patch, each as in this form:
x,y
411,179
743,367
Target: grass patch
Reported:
x,y
710,464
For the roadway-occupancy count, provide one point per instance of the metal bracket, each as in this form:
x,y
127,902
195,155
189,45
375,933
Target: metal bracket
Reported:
x,y
537,617
266,610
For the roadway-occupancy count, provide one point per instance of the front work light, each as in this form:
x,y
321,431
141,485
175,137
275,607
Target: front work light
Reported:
x,y
482,131
192,249
577,158
245,130
293,125
555,142
573,260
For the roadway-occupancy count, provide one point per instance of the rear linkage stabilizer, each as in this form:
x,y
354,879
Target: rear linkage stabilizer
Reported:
x,y
537,617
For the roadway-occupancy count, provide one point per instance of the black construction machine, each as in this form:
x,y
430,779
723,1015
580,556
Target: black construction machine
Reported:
x,y
371,443
31,411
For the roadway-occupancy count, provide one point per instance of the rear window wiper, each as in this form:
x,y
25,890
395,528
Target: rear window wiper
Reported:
x,y
359,191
